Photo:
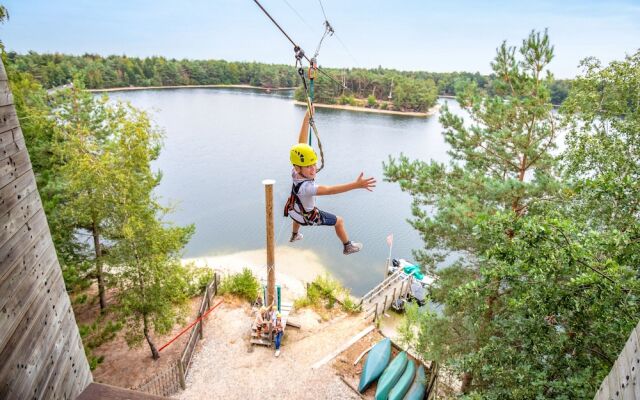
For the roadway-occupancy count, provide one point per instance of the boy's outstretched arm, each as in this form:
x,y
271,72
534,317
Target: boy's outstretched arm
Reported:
x,y
304,129
360,183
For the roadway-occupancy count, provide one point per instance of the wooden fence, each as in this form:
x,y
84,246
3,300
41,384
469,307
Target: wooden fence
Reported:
x,y
173,378
622,381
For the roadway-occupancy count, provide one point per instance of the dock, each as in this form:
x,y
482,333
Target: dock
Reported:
x,y
379,299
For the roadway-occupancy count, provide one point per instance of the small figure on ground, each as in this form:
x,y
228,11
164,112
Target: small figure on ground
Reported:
x,y
301,205
278,330
260,322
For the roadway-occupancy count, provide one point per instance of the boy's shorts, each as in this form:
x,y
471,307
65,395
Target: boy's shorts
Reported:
x,y
327,219
324,218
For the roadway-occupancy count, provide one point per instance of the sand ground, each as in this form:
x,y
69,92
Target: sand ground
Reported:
x,y
227,366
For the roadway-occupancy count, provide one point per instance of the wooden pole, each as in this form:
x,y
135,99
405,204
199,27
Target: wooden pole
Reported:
x,y
271,267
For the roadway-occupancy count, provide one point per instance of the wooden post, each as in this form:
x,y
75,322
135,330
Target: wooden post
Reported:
x,y
393,298
271,268
181,375
384,307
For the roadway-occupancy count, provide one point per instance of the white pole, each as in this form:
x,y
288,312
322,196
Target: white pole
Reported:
x,y
386,271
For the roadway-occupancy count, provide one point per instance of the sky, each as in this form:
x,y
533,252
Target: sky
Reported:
x,y
442,36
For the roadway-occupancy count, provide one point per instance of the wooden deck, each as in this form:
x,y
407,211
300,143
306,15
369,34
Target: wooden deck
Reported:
x,y
107,392
379,299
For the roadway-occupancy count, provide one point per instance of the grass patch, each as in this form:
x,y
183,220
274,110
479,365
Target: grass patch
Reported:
x,y
243,284
95,335
323,294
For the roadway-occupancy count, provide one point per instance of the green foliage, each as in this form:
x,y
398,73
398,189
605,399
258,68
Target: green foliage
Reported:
x,y
95,335
324,292
371,100
81,299
544,292
199,278
243,284
350,306
417,87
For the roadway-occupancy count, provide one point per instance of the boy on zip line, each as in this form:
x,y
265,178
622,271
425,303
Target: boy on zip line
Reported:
x,y
301,205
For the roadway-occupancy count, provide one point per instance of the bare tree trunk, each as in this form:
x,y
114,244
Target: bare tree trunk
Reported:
x,y
467,378
154,352
99,274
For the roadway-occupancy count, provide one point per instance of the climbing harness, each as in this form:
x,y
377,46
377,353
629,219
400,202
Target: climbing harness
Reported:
x,y
309,217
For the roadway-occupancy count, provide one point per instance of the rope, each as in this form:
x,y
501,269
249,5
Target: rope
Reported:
x,y
279,234
192,324
312,124
296,48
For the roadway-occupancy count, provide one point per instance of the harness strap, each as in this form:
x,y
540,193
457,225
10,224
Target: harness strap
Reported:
x,y
309,217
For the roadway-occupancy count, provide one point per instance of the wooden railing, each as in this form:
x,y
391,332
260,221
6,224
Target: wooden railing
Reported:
x,y
173,378
383,296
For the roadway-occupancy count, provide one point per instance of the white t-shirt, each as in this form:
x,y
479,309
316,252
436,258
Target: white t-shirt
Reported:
x,y
306,194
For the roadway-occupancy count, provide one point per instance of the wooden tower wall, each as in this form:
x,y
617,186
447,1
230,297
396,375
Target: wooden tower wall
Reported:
x,y
41,354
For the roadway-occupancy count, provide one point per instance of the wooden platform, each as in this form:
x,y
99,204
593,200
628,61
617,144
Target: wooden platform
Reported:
x,y
379,299
266,339
101,391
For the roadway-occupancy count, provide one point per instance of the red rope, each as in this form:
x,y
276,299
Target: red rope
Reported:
x,y
189,327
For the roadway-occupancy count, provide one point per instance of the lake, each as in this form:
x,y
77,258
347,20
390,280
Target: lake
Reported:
x,y
221,143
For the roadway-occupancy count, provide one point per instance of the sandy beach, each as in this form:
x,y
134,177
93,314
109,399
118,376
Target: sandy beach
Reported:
x,y
294,267
430,112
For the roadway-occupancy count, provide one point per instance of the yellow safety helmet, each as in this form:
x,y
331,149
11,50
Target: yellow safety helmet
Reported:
x,y
303,155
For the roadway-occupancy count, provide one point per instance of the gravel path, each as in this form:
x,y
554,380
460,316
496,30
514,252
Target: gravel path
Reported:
x,y
227,367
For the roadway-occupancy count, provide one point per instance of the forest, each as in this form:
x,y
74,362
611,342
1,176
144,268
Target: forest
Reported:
x,y
411,91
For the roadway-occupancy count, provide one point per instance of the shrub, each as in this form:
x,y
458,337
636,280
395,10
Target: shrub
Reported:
x,y
326,291
243,284
350,306
371,100
198,279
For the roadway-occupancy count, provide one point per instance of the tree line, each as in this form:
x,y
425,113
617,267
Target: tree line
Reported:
x,y
544,289
413,90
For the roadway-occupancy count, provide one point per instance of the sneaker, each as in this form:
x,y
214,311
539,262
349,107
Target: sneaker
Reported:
x,y
296,236
277,353
351,247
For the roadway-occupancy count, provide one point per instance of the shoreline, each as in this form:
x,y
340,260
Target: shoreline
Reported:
x,y
294,267
131,88
433,110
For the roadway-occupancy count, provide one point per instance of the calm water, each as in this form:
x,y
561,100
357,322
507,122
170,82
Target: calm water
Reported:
x,y
221,143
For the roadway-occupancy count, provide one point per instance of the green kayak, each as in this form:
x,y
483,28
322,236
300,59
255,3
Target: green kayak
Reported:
x,y
416,391
377,361
398,391
391,375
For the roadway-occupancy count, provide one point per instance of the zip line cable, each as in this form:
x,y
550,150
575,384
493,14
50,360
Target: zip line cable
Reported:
x,y
298,14
323,13
297,49
333,33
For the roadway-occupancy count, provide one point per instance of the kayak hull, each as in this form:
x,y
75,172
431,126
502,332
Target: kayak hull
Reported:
x,y
401,388
391,375
377,360
419,386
